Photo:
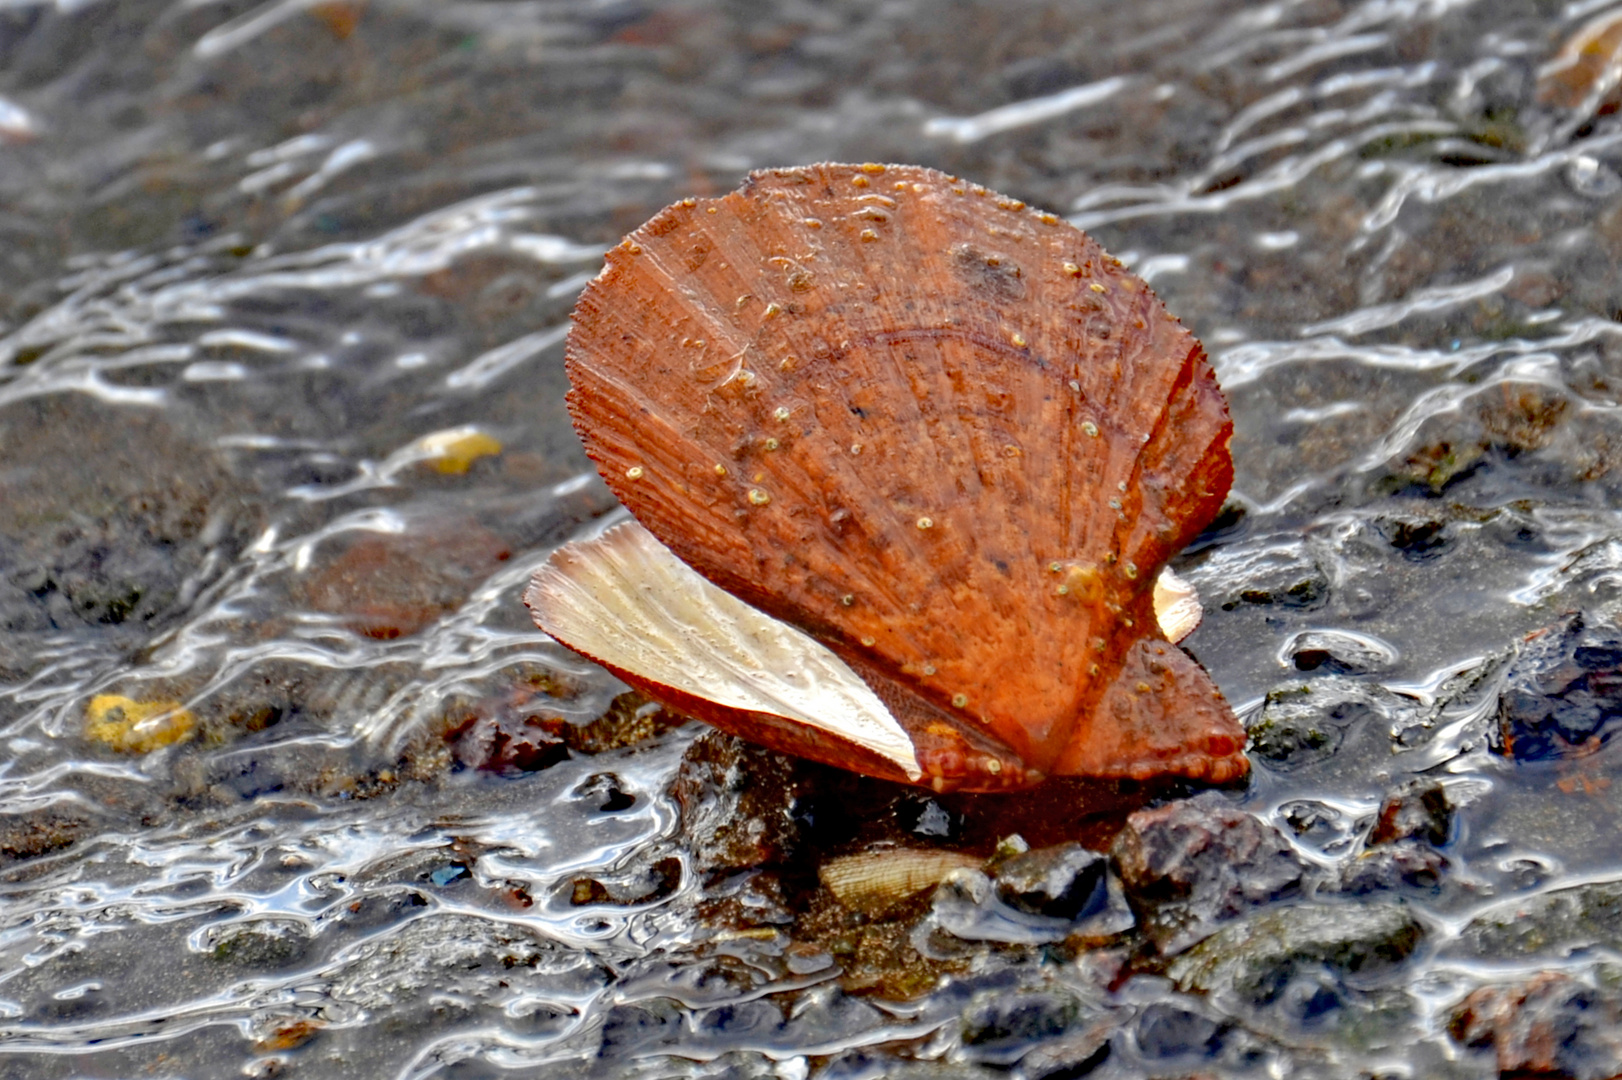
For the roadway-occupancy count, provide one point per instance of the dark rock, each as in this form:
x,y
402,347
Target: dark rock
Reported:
x,y
1563,693
1293,731
1417,811
605,789
1299,956
969,908
1282,577
1552,1024
1305,723
737,802
1419,539
1166,1031
1404,864
1063,882
636,885
1195,863
1000,1026
1337,652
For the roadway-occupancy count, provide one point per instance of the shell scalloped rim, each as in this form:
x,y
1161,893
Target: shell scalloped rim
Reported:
x,y
945,436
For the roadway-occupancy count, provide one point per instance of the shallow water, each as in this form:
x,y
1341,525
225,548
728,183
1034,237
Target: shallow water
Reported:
x,y
282,294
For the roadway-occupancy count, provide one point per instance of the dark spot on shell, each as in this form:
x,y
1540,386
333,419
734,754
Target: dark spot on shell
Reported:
x,y
989,273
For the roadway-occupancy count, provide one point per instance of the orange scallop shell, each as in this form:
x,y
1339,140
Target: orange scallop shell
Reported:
x,y
947,436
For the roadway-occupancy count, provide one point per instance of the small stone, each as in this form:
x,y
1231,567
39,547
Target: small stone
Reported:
x,y
1563,693
1404,864
1198,862
1551,1025
1417,811
1258,959
1063,882
1167,1031
1000,1026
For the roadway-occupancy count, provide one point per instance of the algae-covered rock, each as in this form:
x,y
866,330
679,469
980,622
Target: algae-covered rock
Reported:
x,y
1304,723
1552,924
1258,959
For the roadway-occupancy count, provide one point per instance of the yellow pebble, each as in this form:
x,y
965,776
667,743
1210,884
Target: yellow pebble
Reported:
x,y
454,450
136,727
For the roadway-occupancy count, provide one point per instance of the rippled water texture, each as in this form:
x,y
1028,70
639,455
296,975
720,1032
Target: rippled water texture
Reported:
x,y
291,786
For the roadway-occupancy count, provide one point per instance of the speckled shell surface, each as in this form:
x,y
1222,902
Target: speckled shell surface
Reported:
x,y
945,435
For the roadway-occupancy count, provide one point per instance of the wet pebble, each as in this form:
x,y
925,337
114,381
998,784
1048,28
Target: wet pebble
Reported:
x,y
1337,652
1305,723
1062,882
1300,956
1404,864
1283,576
1165,1031
1193,864
1553,1024
999,1027
261,943
1418,810
1563,693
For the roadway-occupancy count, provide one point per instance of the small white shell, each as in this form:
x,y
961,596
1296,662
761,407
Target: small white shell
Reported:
x,y
1177,606
873,882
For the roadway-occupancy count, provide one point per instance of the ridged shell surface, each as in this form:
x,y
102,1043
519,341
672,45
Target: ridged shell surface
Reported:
x,y
947,436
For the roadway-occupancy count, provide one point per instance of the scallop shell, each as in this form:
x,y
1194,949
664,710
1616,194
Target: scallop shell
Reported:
x,y
948,438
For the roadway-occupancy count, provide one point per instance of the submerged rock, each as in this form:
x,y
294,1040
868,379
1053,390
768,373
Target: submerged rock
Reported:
x,y
1553,1024
1418,810
1193,864
1401,848
1563,694
1305,723
1021,911
1551,924
1300,958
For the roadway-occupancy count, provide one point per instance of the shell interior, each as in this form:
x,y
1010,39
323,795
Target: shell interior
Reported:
x,y
623,599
